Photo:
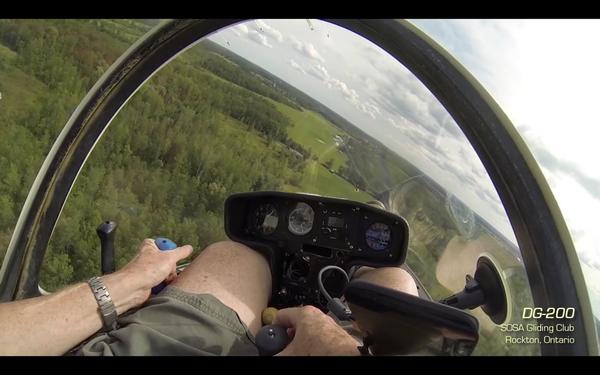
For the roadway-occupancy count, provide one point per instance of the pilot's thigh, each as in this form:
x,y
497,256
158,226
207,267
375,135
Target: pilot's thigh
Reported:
x,y
176,322
235,274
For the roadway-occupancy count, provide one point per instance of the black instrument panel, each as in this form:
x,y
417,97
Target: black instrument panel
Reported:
x,y
302,233
304,224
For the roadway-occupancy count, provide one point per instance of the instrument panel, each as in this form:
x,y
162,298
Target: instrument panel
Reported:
x,y
302,233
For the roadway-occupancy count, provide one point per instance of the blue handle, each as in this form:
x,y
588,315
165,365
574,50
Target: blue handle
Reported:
x,y
163,244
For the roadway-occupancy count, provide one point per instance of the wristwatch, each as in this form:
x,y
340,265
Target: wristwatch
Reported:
x,y
106,307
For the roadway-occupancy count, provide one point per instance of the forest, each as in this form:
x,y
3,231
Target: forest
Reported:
x,y
207,125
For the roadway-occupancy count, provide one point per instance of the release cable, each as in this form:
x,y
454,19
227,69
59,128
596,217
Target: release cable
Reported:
x,y
335,305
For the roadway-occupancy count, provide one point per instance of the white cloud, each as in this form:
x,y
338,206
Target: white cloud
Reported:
x,y
372,110
256,34
259,38
263,27
401,122
348,93
307,49
320,72
297,66
582,214
351,95
240,29
592,278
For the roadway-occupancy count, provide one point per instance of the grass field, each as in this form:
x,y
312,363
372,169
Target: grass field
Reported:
x,y
316,133
6,53
312,131
318,180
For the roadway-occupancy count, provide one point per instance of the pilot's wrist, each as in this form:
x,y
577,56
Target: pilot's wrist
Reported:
x,y
126,292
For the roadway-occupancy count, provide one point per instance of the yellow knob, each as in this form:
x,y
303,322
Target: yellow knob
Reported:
x,y
268,315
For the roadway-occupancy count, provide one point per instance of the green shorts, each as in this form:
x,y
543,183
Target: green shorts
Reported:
x,y
176,323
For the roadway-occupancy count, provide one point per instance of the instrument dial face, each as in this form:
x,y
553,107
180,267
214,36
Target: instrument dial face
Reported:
x,y
266,219
301,219
378,236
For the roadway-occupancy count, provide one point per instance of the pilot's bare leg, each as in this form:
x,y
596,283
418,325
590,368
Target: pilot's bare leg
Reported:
x,y
389,277
236,275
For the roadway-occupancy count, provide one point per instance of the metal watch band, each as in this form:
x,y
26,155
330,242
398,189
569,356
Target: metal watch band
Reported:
x,y
106,307
365,348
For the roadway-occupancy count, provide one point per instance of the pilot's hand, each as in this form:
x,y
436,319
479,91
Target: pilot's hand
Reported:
x,y
151,266
314,333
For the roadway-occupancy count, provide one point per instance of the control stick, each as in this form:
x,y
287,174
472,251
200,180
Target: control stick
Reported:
x,y
271,339
106,231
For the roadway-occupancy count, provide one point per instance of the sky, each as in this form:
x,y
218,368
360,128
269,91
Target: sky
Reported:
x,y
542,73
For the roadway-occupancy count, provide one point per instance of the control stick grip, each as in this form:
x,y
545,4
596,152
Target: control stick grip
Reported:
x,y
106,232
271,340
163,244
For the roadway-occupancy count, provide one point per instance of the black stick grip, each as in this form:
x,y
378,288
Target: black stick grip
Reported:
x,y
271,339
106,231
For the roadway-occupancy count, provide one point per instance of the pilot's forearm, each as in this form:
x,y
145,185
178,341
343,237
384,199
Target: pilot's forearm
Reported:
x,y
51,325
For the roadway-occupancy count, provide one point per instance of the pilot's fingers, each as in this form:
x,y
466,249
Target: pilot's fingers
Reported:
x,y
172,275
288,317
293,316
181,252
149,242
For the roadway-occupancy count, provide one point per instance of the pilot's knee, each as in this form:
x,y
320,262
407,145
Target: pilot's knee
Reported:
x,y
226,247
406,282
390,277
230,251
